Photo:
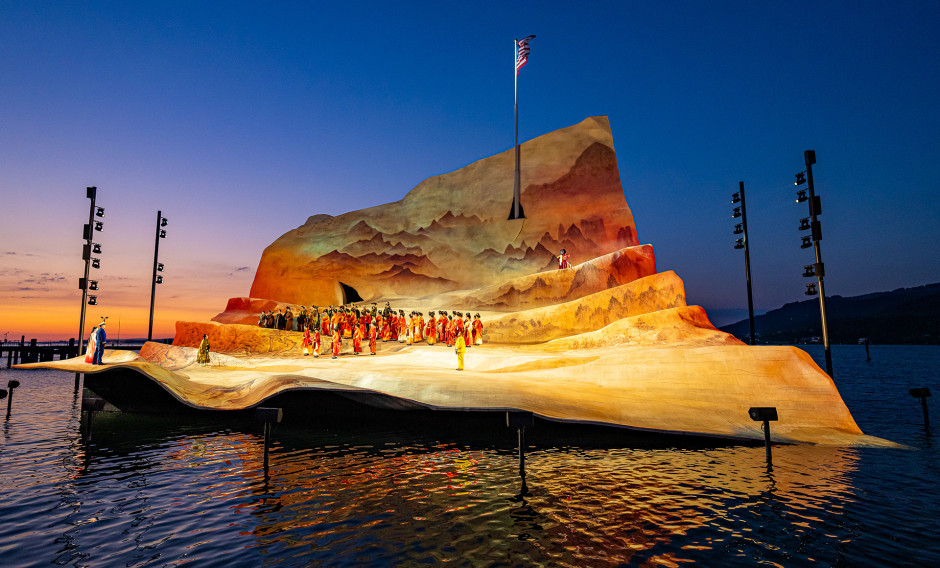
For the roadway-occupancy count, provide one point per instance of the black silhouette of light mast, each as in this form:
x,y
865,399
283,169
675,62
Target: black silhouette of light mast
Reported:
x,y
811,223
157,267
88,249
742,243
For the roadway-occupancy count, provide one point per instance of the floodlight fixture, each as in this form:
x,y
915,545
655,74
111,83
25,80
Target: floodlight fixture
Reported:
x,y
162,234
736,197
163,221
739,243
736,213
762,413
96,263
159,267
800,178
811,289
738,229
801,196
99,225
807,242
159,280
809,270
99,211
92,300
804,224
92,284
96,248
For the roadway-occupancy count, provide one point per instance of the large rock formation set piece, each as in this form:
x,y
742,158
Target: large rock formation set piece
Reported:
x,y
608,341
451,231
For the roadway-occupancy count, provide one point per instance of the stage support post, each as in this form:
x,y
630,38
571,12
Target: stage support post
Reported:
x,y
922,394
520,421
765,414
268,416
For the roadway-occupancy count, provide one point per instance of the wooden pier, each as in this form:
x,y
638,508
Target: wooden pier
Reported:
x,y
34,352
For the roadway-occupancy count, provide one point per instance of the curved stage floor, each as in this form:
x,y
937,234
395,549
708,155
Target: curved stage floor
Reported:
x,y
700,391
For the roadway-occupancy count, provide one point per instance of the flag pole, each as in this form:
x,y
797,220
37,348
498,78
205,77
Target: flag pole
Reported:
x,y
516,212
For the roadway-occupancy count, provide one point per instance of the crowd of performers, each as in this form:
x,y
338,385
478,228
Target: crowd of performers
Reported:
x,y
368,326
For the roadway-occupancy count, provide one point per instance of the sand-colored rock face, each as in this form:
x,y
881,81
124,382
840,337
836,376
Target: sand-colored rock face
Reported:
x,y
451,231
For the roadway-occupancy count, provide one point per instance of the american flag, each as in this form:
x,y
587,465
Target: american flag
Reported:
x,y
522,52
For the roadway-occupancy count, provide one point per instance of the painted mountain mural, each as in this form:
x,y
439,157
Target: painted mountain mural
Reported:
x,y
451,231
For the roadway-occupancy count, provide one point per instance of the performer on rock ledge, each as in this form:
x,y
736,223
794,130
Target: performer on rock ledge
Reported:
x,y
563,260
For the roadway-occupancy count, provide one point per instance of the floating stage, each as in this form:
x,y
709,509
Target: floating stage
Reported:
x,y
651,389
609,341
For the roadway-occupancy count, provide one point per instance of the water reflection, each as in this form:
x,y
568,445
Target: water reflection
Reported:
x,y
165,491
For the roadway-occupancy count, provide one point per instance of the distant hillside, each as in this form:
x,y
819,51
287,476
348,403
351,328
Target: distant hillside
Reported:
x,y
902,316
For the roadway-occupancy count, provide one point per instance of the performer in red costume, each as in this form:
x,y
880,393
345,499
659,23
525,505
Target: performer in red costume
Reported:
x,y
372,338
357,341
307,342
563,259
431,330
337,340
467,330
477,330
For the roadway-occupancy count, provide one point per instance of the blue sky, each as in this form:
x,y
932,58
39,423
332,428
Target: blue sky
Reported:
x,y
240,120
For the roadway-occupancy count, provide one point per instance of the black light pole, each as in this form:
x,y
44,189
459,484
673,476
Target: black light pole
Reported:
x,y
811,223
88,249
91,193
159,234
743,243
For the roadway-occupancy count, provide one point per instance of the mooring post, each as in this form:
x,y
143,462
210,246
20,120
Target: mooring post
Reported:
x,y
268,416
922,394
519,421
765,414
12,384
90,405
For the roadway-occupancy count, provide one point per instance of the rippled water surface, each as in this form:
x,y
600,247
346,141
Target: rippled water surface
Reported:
x,y
165,491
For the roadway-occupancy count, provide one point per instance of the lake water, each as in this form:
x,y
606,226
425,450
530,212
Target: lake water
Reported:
x,y
167,491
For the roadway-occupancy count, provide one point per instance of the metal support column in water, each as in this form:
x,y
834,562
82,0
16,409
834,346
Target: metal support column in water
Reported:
x,y
520,420
90,405
268,416
12,384
765,414
922,394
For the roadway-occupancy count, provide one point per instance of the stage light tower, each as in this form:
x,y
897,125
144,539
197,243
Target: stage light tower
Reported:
x,y
84,283
157,266
812,224
742,243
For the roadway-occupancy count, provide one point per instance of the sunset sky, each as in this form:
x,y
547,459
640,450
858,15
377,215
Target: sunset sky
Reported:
x,y
240,120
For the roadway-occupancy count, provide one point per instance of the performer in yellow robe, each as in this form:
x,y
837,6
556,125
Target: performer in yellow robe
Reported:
x,y
460,349
202,357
